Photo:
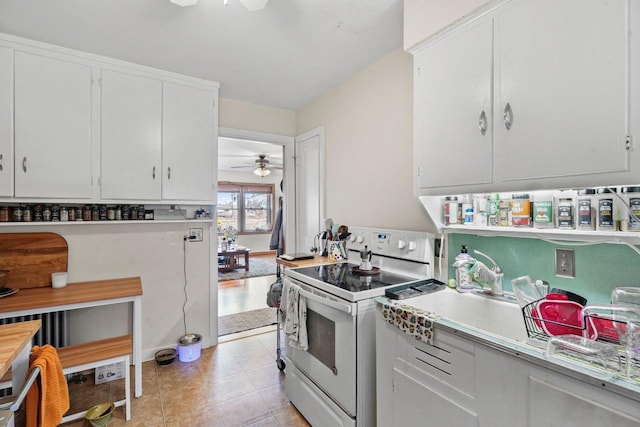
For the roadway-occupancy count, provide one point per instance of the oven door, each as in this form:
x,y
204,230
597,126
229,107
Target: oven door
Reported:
x,y
330,361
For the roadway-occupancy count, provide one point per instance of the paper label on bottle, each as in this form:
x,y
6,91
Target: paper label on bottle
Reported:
x,y
634,206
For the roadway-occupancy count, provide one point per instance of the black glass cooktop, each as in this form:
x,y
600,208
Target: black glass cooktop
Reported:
x,y
344,276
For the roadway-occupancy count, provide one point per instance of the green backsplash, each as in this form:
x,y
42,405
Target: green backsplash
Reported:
x,y
599,268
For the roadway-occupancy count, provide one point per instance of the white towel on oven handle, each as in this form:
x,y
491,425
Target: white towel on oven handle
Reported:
x,y
294,308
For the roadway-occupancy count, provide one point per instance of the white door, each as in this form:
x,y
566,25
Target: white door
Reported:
x,y
452,109
131,137
189,133
561,70
309,188
52,127
6,122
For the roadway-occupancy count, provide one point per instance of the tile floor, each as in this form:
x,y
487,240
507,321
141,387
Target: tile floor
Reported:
x,y
235,383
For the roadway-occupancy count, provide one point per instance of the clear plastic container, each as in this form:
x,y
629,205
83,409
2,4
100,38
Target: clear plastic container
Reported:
x,y
520,210
631,213
587,203
607,209
493,210
450,210
543,210
467,210
566,213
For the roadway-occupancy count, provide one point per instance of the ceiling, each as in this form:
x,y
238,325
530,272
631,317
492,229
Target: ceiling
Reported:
x,y
284,56
233,153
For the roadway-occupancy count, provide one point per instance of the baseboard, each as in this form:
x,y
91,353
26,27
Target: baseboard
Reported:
x,y
262,253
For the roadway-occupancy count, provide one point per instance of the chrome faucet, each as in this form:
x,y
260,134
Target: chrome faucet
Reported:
x,y
494,285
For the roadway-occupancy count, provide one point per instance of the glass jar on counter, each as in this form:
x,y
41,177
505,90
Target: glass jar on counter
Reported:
x,y
607,209
631,214
566,213
587,209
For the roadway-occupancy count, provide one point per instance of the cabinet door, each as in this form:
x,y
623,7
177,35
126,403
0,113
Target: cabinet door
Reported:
x,y
452,109
415,403
562,86
188,138
52,127
131,132
6,122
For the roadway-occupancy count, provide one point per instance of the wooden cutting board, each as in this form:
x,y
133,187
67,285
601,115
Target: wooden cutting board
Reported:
x,y
32,257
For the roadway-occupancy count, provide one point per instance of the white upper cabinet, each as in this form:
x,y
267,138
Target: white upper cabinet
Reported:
x,y
561,88
452,109
189,135
131,159
52,127
6,122
557,75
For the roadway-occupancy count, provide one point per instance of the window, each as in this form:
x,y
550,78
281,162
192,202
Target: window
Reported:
x,y
248,208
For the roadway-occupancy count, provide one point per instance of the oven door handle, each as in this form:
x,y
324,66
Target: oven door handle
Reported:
x,y
326,301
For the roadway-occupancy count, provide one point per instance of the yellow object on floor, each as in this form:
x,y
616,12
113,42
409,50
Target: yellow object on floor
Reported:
x,y
48,398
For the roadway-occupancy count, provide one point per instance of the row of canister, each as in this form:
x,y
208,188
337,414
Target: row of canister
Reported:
x,y
603,209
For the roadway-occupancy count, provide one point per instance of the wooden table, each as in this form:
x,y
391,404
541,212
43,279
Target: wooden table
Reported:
x,y
15,347
83,295
231,258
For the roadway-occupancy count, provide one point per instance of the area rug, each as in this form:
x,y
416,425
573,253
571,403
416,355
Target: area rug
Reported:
x,y
240,322
257,267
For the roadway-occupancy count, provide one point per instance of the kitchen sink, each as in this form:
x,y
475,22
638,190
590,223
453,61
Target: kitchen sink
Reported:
x,y
495,315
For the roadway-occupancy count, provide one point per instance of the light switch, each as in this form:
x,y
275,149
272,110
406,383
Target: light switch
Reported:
x,y
565,263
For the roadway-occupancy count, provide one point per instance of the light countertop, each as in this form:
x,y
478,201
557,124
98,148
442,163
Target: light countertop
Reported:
x,y
13,338
500,325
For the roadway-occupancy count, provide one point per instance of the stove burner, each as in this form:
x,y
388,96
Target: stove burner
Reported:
x,y
343,276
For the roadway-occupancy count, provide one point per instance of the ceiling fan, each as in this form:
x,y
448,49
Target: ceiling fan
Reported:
x,y
251,5
261,165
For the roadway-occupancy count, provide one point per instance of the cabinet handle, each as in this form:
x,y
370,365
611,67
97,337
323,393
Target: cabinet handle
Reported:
x,y
482,123
24,164
1,161
508,116
154,172
169,172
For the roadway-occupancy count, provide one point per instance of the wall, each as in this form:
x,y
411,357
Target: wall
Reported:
x,y
257,118
255,242
599,268
424,18
368,127
152,251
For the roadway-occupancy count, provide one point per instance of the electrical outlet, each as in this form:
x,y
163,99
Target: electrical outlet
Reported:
x,y
566,263
196,234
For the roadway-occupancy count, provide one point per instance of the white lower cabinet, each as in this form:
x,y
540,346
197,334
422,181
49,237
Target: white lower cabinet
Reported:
x,y
457,382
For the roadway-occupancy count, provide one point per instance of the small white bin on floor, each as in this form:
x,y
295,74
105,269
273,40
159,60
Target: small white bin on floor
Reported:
x,y
189,347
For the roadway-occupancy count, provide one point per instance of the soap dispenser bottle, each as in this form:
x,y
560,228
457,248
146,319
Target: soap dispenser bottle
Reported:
x,y
464,281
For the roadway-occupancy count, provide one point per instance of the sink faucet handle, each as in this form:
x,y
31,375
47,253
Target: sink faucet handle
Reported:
x,y
496,268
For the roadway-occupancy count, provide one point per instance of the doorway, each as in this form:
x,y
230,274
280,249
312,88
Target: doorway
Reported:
x,y
251,167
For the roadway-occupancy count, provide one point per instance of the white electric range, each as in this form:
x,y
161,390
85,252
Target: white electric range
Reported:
x,y
333,382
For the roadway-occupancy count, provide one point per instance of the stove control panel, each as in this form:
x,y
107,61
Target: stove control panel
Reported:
x,y
402,244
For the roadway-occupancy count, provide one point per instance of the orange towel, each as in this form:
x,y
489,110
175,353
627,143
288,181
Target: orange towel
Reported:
x,y
48,398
